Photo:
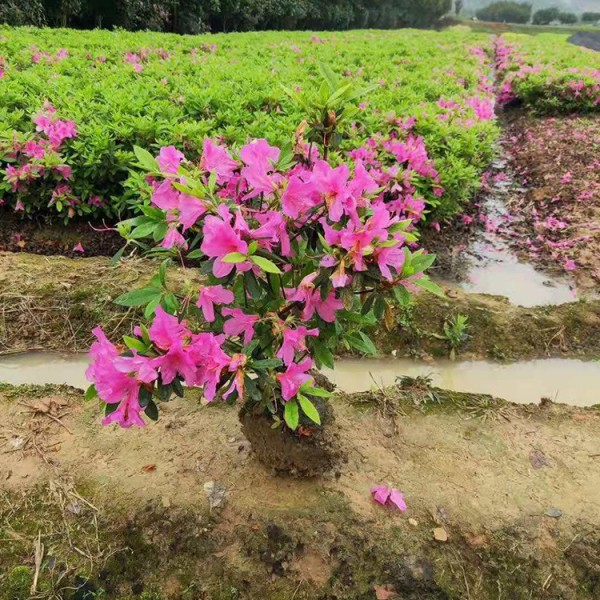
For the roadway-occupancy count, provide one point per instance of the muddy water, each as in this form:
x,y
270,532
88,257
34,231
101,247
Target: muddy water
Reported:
x,y
572,382
567,381
493,268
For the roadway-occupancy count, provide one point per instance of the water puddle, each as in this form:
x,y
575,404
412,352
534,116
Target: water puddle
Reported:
x,y
568,381
493,267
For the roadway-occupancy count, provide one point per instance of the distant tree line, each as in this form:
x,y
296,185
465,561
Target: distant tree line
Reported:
x,y
520,12
195,16
509,12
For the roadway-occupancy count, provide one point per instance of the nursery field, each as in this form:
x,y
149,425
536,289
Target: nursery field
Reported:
x,y
299,316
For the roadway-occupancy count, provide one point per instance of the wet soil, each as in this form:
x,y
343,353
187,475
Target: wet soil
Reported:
x,y
515,489
24,235
587,39
557,217
53,303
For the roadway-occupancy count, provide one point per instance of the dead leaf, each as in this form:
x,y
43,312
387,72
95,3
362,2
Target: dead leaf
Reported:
x,y
538,459
385,592
440,534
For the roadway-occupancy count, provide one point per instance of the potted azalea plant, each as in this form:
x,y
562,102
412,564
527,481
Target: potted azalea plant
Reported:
x,y
298,254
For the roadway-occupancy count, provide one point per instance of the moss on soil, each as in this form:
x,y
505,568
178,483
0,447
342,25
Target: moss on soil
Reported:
x,y
102,542
159,554
52,303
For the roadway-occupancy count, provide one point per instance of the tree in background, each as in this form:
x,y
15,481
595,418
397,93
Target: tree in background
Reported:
x,y
590,17
458,6
567,18
545,16
195,16
506,12
22,12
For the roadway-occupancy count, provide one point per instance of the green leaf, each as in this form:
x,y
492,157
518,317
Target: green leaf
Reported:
x,y
139,297
143,230
267,363
145,397
359,341
151,307
195,254
291,414
91,393
328,75
234,257
426,284
309,409
402,295
152,411
145,159
312,390
421,262
162,273
322,354
110,408
265,264
135,344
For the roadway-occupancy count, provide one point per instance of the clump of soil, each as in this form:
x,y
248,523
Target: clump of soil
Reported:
x,y
25,235
310,451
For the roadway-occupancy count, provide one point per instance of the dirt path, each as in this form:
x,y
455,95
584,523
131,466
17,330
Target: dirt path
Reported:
x,y
517,489
587,39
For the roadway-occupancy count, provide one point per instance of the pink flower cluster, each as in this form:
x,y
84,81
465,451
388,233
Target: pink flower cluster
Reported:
x,y
39,156
303,233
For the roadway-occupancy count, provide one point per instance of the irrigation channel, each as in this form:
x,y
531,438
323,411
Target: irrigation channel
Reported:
x,y
566,381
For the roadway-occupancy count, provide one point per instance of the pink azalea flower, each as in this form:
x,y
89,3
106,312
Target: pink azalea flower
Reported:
x,y
112,385
570,265
173,239
237,364
211,295
166,330
79,248
389,257
294,340
221,239
311,298
295,376
389,496
239,323
216,158
169,159
299,197
211,360
331,184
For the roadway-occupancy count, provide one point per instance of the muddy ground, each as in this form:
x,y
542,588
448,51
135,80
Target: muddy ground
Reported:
x,y
587,39
53,303
126,514
557,218
18,234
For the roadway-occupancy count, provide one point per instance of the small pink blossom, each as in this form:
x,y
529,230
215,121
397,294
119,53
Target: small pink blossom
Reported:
x,y
211,295
295,376
239,323
389,496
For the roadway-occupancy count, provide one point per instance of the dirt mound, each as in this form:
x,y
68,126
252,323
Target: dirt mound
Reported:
x,y
515,489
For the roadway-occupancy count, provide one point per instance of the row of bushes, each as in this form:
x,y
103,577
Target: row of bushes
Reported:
x,y
194,16
547,75
152,89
